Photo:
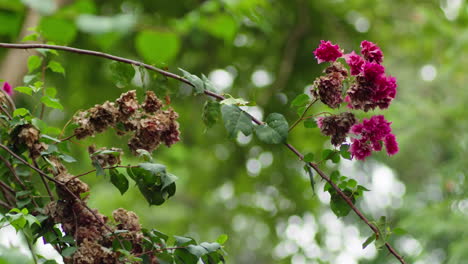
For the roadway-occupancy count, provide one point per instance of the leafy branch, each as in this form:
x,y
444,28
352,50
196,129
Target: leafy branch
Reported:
x,y
199,86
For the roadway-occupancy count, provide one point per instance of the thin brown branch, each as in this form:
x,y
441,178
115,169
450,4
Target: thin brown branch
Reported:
x,y
303,114
5,112
5,205
46,185
209,93
13,172
104,168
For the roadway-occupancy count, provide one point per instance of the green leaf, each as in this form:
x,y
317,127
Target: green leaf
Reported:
x,y
198,83
310,123
34,62
99,170
24,89
352,183
399,231
327,154
50,91
335,176
309,157
56,67
20,112
368,241
119,180
50,139
338,205
58,30
309,171
236,120
157,46
211,113
222,239
51,102
67,252
344,151
122,73
275,131
234,101
146,155
300,100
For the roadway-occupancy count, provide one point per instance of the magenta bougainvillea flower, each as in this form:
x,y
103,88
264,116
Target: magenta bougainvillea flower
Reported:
x,y
355,62
371,52
370,134
7,88
326,51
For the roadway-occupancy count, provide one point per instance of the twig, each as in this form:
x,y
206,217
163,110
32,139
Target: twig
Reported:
x,y
67,138
209,93
5,205
43,88
51,196
303,114
12,170
105,168
5,112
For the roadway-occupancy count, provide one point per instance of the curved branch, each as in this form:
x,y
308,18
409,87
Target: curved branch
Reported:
x,y
208,93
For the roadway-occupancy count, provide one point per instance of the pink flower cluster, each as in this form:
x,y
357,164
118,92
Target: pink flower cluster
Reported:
x,y
327,52
370,134
7,89
371,88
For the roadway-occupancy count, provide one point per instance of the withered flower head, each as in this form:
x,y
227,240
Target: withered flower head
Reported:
x,y
337,126
151,103
329,88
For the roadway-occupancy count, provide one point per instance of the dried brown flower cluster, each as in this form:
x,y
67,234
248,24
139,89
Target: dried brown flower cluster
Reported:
x,y
29,136
148,122
337,126
328,88
93,239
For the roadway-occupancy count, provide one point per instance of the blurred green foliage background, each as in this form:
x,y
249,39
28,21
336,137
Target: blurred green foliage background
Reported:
x,y
261,50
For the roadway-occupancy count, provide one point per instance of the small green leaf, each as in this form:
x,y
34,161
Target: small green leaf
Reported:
x,y
146,155
56,67
300,100
234,101
344,151
222,239
236,120
34,62
275,131
99,170
368,241
24,89
67,252
211,113
310,123
352,183
122,73
51,91
338,205
198,83
399,231
119,180
335,176
327,154
309,157
20,112
51,102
